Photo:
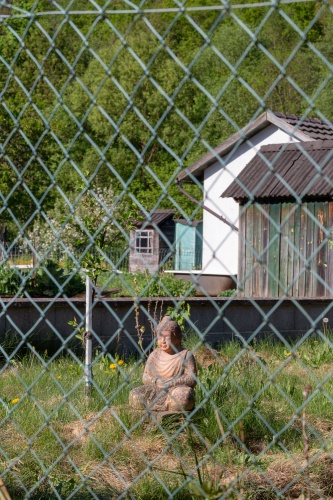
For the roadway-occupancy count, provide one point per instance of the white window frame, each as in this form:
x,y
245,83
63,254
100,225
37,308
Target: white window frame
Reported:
x,y
145,236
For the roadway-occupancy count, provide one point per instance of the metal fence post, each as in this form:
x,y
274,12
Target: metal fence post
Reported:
x,y
88,339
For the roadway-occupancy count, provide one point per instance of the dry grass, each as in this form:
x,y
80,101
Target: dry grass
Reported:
x,y
206,357
284,474
116,450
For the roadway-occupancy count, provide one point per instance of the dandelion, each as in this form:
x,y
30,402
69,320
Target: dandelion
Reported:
x,y
58,377
121,362
288,354
16,400
113,366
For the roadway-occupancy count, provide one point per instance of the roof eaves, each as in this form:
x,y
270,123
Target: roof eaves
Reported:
x,y
196,169
292,131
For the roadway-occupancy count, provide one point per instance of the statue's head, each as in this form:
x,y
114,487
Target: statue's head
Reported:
x,y
169,335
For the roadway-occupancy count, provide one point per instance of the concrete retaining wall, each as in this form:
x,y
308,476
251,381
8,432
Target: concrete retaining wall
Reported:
x,y
114,319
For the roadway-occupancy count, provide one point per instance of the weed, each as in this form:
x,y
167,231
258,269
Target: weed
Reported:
x,y
228,293
307,390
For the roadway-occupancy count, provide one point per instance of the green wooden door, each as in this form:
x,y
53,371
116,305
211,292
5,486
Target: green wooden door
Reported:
x,y
188,246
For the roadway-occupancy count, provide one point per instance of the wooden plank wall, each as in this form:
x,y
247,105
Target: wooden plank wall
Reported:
x,y
285,250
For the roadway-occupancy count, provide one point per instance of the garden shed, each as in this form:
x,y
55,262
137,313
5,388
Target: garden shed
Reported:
x,y
152,241
285,197
218,168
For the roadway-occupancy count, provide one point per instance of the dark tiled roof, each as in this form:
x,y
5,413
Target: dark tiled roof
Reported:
x,y
285,171
301,129
156,218
313,127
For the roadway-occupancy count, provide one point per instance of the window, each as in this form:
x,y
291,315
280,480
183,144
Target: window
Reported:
x,y
144,241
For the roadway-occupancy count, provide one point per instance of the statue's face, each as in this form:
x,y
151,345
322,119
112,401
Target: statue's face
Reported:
x,y
167,342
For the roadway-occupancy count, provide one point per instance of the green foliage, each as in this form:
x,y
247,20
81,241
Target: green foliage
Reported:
x,y
79,329
135,113
10,281
317,354
207,490
218,442
228,293
88,227
51,280
180,314
48,281
144,284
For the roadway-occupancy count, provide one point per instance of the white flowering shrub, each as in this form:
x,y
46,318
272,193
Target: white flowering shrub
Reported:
x,y
92,224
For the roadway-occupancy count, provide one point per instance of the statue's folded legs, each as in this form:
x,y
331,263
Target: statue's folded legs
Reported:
x,y
146,397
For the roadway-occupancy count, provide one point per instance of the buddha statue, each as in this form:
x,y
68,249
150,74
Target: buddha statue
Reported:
x,y
169,376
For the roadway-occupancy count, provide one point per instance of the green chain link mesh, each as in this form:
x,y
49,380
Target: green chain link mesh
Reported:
x,y
107,112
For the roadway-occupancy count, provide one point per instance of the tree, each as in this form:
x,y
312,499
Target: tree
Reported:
x,y
136,99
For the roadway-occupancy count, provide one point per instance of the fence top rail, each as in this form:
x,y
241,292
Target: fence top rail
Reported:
x,y
137,10
19,301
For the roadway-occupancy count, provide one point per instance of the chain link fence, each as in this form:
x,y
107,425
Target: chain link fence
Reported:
x,y
166,158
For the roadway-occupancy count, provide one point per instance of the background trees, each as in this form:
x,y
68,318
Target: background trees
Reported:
x,y
127,101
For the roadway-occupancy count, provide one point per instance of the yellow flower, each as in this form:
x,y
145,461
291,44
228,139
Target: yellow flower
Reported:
x,y
26,446
106,371
288,354
113,366
121,362
58,377
16,400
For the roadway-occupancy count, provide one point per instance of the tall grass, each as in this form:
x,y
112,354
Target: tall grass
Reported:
x,y
54,441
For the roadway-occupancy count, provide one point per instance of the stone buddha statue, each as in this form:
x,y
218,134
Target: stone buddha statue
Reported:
x,y
169,377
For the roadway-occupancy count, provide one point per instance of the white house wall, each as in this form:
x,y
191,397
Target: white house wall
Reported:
x,y
220,242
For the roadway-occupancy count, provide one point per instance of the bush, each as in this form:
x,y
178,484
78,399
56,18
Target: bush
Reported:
x,y
10,281
144,284
50,278
45,283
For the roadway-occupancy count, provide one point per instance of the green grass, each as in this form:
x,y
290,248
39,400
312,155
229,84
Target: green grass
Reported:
x,y
53,440
145,284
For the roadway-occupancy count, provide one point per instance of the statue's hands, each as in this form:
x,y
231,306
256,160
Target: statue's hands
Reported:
x,y
178,380
164,384
160,383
